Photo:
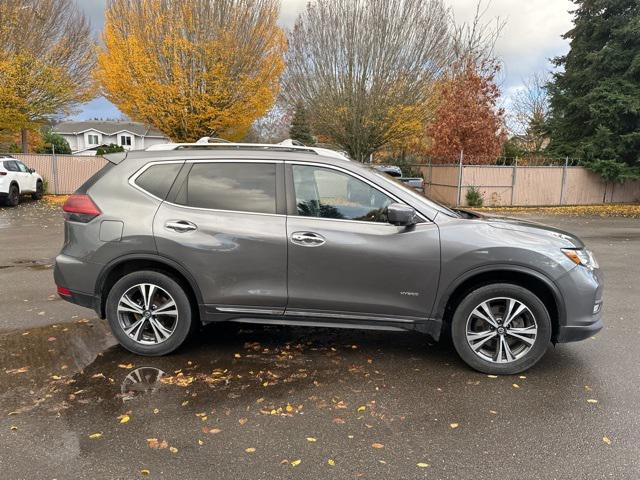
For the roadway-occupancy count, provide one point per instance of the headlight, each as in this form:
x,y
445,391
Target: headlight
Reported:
x,y
581,256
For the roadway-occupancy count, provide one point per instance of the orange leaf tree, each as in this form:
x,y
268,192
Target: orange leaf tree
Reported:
x,y
192,69
467,118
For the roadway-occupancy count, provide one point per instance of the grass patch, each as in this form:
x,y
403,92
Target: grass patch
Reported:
x,y
609,210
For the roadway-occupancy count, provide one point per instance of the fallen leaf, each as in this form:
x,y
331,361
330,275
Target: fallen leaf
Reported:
x,y
126,366
200,442
515,385
211,430
93,436
242,421
377,445
339,421
422,465
156,411
295,463
13,428
311,439
144,472
331,462
492,376
250,450
289,408
362,408
606,440
124,418
592,400
173,449
454,425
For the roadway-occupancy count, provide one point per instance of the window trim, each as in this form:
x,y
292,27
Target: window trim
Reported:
x,y
188,163
292,210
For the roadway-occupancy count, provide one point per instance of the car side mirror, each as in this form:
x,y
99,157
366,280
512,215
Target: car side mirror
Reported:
x,y
401,214
31,170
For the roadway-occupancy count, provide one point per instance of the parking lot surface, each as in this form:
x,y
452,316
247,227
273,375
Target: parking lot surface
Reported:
x,y
276,402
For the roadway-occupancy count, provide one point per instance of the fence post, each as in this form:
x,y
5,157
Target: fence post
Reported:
x,y
513,179
54,170
460,178
564,179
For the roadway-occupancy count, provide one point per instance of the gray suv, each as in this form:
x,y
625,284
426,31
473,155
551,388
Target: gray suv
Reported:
x,y
162,241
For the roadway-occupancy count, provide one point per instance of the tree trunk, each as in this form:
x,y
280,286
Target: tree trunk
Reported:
x,y
25,140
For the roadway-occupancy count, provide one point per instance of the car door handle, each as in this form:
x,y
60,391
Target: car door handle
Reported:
x,y
307,239
180,226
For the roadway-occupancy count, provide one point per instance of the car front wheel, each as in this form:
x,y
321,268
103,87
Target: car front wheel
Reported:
x,y
501,329
39,193
149,313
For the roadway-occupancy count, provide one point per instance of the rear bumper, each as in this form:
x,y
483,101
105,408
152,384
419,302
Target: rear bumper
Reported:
x,y
75,275
82,299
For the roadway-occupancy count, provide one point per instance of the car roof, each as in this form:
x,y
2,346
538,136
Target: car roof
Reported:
x,y
233,152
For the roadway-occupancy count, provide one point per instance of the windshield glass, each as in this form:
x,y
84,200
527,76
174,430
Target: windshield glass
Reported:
x,y
421,198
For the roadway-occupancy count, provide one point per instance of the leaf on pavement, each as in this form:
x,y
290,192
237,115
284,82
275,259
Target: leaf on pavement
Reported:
x,y
377,445
124,418
454,425
331,462
592,400
250,450
422,465
606,440
295,463
93,436
311,439
126,366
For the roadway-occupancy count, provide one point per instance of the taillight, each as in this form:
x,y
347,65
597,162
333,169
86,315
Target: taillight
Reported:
x,y
65,292
2,174
80,208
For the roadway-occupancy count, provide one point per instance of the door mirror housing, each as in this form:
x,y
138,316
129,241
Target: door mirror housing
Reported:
x,y
401,215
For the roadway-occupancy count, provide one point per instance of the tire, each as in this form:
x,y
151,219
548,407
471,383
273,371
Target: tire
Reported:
x,y
13,197
39,193
500,348
150,338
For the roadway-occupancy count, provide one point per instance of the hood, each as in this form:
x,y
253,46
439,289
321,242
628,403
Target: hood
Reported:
x,y
520,225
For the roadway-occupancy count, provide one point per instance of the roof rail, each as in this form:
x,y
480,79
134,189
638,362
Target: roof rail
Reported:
x,y
219,144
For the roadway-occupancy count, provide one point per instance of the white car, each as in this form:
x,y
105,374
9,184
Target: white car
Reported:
x,y
17,179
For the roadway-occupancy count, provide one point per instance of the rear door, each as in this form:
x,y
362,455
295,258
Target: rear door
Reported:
x,y
345,259
224,222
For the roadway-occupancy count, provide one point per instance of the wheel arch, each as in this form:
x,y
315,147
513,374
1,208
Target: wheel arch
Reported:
x,y
538,283
136,262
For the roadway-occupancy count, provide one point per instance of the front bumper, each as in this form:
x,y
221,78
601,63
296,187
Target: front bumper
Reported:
x,y
581,290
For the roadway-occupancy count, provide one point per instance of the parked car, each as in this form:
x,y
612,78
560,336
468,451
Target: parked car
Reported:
x,y
17,179
160,242
417,183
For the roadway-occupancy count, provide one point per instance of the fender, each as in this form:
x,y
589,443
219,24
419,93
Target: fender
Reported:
x,y
445,295
152,257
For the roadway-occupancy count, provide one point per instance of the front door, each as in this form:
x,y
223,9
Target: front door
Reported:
x,y
346,259
222,224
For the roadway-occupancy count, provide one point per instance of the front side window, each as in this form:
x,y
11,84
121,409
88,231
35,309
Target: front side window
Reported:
x,y
92,139
326,193
241,187
23,168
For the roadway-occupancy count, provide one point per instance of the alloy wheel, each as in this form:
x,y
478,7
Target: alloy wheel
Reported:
x,y
147,314
501,330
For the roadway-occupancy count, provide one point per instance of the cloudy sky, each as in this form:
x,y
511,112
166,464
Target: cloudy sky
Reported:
x,y
531,36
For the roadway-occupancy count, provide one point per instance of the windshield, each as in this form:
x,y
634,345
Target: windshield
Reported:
x,y
421,198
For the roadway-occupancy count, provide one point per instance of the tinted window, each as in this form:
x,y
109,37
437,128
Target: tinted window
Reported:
x,y
242,187
11,166
157,179
326,193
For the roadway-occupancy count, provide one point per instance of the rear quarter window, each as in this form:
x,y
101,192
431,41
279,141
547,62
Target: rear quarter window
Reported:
x,y
157,179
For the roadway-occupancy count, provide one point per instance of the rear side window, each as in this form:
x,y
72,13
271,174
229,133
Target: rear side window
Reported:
x,y
157,179
241,187
11,166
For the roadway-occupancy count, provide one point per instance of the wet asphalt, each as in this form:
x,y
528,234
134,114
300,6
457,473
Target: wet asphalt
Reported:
x,y
245,402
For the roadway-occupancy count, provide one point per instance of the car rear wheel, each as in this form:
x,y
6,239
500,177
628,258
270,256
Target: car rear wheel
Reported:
x,y
39,193
501,329
13,197
149,313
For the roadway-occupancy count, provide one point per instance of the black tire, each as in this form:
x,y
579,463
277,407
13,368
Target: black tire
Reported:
x,y
13,197
39,193
184,322
498,291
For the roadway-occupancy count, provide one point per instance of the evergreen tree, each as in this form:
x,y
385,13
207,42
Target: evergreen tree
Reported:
x,y
300,129
595,99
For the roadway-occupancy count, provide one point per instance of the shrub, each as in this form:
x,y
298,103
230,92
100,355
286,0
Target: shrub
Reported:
x,y
474,197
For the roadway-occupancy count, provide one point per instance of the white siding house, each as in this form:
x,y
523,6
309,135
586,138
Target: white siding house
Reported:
x,y
85,137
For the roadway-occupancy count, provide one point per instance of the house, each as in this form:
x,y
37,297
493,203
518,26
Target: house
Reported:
x,y
84,137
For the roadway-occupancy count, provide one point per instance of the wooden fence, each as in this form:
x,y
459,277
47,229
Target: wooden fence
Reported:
x,y
499,185
524,185
63,173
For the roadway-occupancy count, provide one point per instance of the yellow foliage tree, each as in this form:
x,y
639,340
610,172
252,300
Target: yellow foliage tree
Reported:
x,y
192,69
46,60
